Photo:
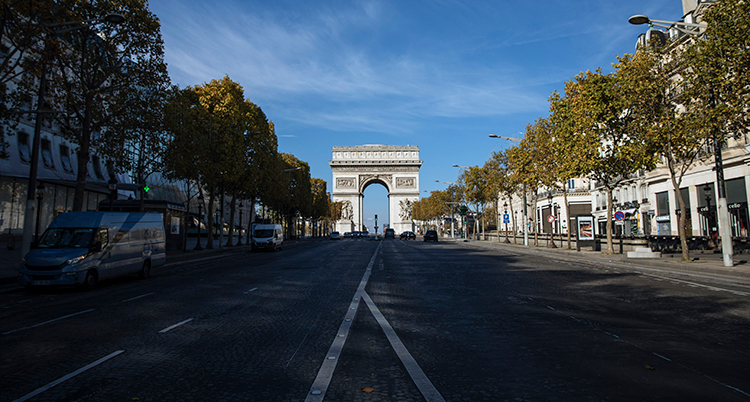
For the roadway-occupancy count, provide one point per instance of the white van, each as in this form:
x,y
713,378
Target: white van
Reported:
x,y
82,248
268,237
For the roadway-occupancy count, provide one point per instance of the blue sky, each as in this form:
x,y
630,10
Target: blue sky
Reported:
x,y
438,74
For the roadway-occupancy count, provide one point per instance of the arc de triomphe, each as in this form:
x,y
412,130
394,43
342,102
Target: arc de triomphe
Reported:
x,y
394,167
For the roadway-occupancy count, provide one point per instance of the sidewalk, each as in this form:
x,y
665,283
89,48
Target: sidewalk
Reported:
x,y
710,265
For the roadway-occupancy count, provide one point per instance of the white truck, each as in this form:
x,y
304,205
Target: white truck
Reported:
x,y
267,237
82,248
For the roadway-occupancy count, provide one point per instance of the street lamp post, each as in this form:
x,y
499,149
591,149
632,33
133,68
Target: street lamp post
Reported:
x,y
39,196
505,208
551,220
525,213
707,192
239,235
453,236
28,223
200,222
722,209
476,218
112,192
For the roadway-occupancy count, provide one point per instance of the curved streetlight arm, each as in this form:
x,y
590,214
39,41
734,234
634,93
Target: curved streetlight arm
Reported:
x,y
505,138
640,19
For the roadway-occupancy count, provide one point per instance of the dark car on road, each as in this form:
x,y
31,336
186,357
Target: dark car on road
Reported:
x,y
390,234
408,236
335,236
430,235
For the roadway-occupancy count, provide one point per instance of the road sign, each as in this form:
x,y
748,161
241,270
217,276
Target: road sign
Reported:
x,y
550,218
619,215
506,218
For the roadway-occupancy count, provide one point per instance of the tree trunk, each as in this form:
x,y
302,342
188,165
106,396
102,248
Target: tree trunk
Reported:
x,y
681,222
250,222
230,236
210,221
610,227
567,213
536,223
84,154
513,217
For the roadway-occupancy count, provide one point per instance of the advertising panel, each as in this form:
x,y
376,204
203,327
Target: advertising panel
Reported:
x,y
585,228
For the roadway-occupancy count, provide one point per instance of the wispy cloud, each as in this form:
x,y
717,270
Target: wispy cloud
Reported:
x,y
347,83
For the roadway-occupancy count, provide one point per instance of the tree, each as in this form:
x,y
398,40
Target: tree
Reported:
x,y
499,182
651,82
100,75
717,71
27,40
296,195
261,164
594,121
210,127
320,200
475,188
526,166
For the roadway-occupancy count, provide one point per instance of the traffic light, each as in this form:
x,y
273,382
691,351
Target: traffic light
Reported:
x,y
146,188
376,219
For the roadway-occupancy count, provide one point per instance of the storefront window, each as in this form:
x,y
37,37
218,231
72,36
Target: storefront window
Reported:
x,y
662,214
685,192
737,205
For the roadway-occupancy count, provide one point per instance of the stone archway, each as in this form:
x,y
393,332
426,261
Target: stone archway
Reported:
x,y
394,167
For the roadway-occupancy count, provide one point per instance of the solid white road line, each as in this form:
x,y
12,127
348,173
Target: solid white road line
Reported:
x,y
693,284
47,322
424,384
137,297
67,377
175,326
325,374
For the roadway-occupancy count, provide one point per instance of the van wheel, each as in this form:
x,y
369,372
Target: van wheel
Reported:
x,y
145,272
92,279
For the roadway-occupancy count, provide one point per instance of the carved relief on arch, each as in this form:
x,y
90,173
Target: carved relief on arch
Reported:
x,y
366,179
346,182
406,182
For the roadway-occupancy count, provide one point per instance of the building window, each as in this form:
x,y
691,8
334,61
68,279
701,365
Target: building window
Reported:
x,y
47,154
662,204
65,158
644,192
24,148
571,184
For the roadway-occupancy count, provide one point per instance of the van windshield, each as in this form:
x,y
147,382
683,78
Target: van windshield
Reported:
x,y
263,233
67,238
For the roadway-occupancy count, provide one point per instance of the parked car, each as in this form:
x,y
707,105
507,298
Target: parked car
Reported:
x,y
431,235
408,235
335,236
390,234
